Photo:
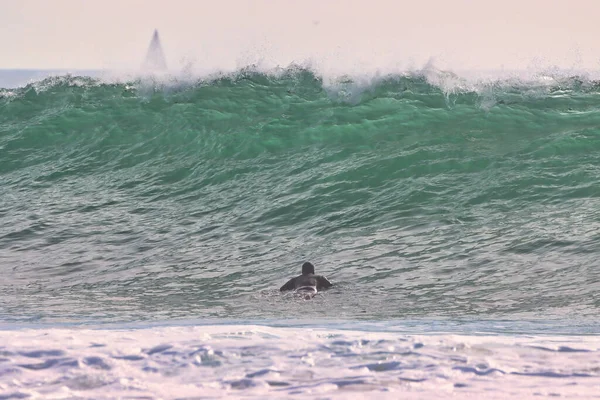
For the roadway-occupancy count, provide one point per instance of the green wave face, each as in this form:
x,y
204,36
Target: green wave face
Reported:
x,y
148,200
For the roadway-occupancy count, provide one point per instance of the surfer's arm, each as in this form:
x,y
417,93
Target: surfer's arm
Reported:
x,y
288,286
323,283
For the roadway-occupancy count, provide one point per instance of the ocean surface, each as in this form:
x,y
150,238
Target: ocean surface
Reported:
x,y
147,223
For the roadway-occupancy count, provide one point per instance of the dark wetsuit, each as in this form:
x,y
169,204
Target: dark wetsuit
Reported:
x,y
307,281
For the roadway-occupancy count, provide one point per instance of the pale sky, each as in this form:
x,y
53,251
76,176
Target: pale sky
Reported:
x,y
343,34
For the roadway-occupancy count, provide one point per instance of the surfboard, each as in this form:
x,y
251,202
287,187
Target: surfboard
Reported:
x,y
307,292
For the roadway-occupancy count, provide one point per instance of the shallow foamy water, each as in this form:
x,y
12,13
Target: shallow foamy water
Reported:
x,y
252,361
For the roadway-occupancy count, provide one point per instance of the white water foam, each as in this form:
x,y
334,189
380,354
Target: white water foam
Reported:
x,y
258,362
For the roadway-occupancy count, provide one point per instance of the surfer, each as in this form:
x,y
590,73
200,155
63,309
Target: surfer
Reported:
x,y
308,281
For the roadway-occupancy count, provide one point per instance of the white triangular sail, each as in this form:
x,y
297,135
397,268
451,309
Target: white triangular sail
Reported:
x,y
155,58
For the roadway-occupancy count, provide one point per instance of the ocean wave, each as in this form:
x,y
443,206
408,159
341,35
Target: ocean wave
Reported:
x,y
204,193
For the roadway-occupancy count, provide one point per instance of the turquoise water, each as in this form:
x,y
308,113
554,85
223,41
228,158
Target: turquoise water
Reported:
x,y
146,225
162,200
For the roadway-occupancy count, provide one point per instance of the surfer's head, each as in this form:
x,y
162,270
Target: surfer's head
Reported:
x,y
308,268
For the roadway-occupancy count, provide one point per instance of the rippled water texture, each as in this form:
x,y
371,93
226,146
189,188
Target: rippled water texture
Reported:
x,y
159,200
